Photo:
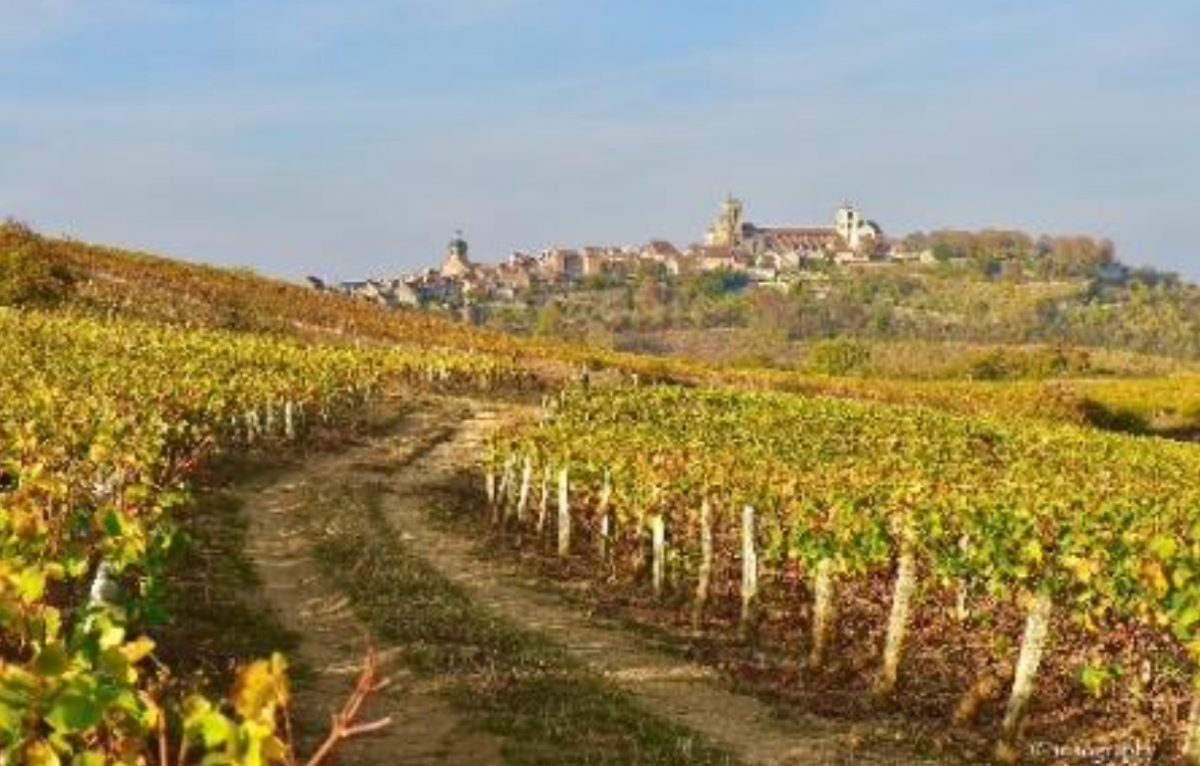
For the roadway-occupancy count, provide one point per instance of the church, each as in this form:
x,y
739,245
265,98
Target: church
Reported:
x,y
851,238
457,264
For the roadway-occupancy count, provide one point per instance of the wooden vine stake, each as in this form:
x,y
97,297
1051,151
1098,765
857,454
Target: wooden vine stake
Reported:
x,y
823,611
523,495
749,567
544,501
490,482
961,611
658,541
1033,644
602,538
704,573
251,426
506,480
902,593
289,420
564,513
1191,738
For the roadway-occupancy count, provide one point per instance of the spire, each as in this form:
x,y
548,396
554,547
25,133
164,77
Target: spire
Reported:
x,y
456,263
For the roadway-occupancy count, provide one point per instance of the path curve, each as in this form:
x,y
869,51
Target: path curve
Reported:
x,y
676,689
424,729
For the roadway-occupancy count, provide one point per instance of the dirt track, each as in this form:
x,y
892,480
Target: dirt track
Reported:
x,y
427,453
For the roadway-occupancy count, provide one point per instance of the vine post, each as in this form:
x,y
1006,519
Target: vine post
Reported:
x,y
749,567
523,495
564,512
602,538
658,536
902,593
289,420
1191,738
544,499
704,574
823,611
490,486
1033,644
251,426
489,478
502,494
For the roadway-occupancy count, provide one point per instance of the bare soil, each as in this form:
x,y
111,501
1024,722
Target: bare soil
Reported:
x,y
422,461
424,728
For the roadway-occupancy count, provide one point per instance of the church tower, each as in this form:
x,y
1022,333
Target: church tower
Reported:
x,y
848,222
456,264
726,231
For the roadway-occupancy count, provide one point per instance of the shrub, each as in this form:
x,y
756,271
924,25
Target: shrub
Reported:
x,y
30,277
838,356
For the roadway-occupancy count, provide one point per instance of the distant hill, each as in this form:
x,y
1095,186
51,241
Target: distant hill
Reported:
x,y
958,302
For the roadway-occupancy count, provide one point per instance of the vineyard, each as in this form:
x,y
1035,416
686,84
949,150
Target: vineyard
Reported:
x,y
110,283
1004,525
103,429
698,493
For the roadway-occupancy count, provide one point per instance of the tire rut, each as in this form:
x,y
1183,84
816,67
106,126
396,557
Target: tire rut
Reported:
x,y
424,727
675,689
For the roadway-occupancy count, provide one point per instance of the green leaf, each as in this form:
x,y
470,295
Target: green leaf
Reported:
x,y
202,722
76,566
1186,620
111,523
52,661
212,729
1094,678
1164,547
113,663
31,585
72,712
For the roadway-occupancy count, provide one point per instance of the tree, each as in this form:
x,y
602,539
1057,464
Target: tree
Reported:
x,y
550,321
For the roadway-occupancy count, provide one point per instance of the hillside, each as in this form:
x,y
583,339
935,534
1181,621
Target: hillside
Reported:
x,y
1142,312
180,446
109,282
1046,381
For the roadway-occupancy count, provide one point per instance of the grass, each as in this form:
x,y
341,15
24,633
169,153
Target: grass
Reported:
x,y
216,620
549,709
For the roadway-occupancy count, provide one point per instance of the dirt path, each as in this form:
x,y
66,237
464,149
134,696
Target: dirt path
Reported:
x,y
676,689
425,729
425,456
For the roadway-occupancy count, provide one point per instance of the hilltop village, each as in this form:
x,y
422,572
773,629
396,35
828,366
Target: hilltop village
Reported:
x,y
764,255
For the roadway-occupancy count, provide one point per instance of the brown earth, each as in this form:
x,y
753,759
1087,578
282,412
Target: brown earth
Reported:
x,y
424,728
421,459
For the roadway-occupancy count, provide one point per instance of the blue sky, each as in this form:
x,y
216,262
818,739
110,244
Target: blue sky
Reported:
x,y
351,137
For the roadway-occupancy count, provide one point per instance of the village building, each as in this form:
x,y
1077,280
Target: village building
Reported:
x,y
667,255
767,255
851,238
457,264
716,257
560,264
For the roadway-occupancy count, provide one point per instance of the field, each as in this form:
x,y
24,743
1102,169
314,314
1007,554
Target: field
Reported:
x,y
873,556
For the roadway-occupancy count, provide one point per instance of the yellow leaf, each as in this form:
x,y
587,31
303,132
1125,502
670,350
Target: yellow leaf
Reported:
x,y
261,688
137,650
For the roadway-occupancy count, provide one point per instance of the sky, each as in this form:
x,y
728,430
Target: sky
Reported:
x,y
348,138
